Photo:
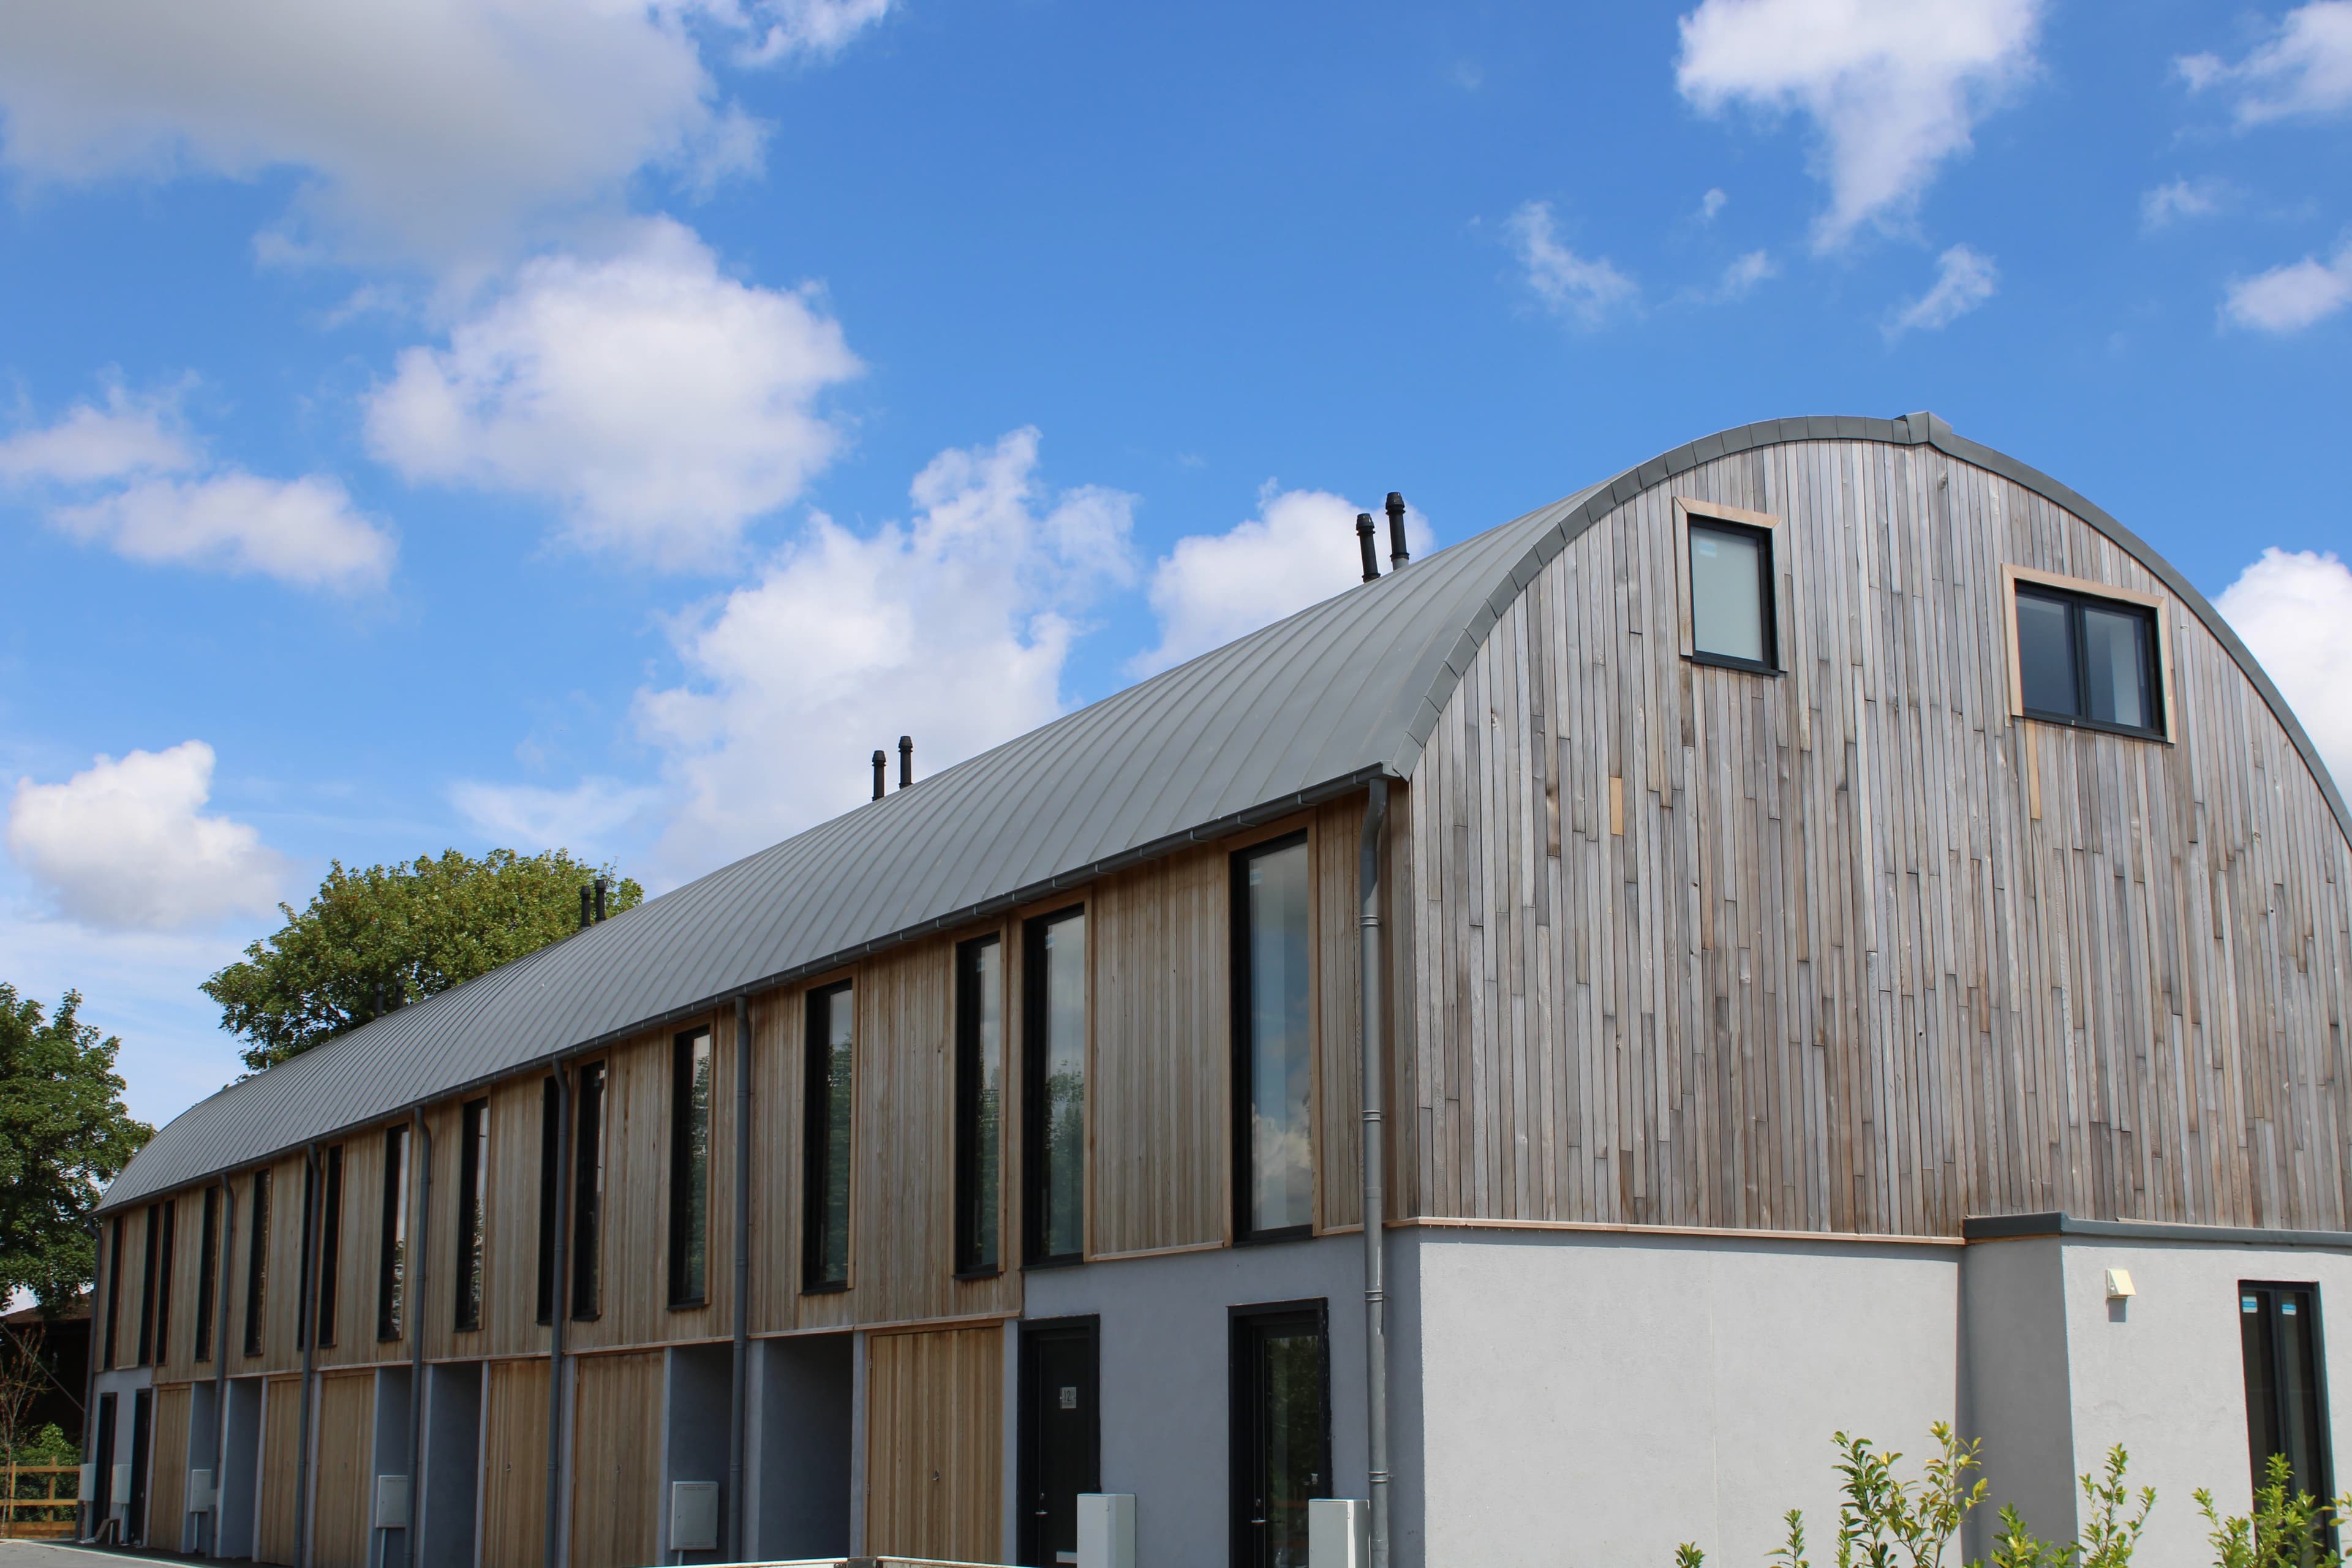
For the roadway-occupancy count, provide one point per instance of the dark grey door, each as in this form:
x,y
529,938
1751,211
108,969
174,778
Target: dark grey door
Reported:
x,y
102,1483
1061,1436
143,1424
1282,1431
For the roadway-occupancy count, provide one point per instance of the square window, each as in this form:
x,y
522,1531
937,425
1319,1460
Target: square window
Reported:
x,y
1729,567
2088,660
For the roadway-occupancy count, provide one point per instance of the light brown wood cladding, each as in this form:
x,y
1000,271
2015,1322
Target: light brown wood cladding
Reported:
x,y
342,1493
934,1444
167,1475
513,1524
615,1459
281,1436
1837,973
510,1204
360,1263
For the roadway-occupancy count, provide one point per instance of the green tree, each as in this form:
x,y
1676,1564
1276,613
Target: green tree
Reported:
x,y
377,939
64,1132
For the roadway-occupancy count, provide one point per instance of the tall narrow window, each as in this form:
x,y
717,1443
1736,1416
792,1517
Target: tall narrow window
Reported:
x,y
1054,1013
153,1243
391,1258
256,1264
207,1273
690,1170
1281,1444
2086,660
2278,1332
830,1106
114,1293
1731,595
163,1281
473,1162
980,1104
551,1144
1274,1073
588,1195
331,1245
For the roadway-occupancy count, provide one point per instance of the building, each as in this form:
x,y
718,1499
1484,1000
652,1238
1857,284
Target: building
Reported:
x,y
1857,942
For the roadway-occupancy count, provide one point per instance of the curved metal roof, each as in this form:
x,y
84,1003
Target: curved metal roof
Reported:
x,y
1301,710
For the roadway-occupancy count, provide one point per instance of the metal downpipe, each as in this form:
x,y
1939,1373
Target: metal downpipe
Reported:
x,y
1374,969
306,1320
739,1414
557,1304
419,1273
227,1239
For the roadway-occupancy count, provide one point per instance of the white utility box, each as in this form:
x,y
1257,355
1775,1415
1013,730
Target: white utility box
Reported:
x,y
694,1515
202,1499
1105,1529
392,1502
121,1500
88,1490
1339,1533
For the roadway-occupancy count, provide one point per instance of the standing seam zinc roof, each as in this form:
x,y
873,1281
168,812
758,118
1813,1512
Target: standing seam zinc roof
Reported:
x,y
1299,712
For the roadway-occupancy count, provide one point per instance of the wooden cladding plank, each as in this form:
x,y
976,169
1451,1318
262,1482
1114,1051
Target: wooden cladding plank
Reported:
x,y
615,1468
167,1477
934,1455
1335,845
513,1525
1850,949
342,1487
281,1436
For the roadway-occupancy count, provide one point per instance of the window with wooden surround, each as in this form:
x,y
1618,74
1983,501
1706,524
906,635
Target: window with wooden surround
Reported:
x,y
1053,1059
331,1242
207,1272
473,1163
1729,608
1274,1064
113,1295
980,1104
163,1281
690,1170
147,1286
392,1260
2086,654
830,1105
588,1193
257,1265
551,1144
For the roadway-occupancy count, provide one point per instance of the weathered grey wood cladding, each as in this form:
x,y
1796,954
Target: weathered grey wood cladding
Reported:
x,y
1848,948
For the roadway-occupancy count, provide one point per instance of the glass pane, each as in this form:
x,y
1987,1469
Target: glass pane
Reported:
x,y
1293,1442
980,1004
833,1251
693,1215
2115,653
2046,655
1282,1174
1066,1086
1727,594
2300,1416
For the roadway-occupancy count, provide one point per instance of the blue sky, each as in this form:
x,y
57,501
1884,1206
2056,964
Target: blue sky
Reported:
x,y
604,424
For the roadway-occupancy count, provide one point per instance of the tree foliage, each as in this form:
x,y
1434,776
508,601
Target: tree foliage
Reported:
x,y
64,1132
377,939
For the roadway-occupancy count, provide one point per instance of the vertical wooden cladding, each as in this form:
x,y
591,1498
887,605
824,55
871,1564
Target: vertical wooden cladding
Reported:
x,y
1863,953
167,1477
360,1257
342,1492
934,1444
281,1293
510,1204
615,1459
513,1522
281,1436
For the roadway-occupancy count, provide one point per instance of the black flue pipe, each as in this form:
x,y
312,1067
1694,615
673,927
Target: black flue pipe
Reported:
x,y
905,761
1398,553
600,898
585,916
1364,542
881,769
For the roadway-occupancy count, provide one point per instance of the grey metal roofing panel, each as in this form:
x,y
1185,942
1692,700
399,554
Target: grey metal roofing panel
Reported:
x,y
1298,710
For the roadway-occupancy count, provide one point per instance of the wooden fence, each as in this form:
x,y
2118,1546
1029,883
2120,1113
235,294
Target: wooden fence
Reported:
x,y
32,1509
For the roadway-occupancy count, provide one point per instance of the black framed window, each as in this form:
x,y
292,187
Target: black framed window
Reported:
x,y
690,1170
1731,595
473,1164
2286,1393
588,1194
207,1272
551,1144
980,1104
392,1237
2085,660
114,1293
330,1244
256,1264
1274,1068
1281,1447
1054,1069
163,1280
829,1107
153,1244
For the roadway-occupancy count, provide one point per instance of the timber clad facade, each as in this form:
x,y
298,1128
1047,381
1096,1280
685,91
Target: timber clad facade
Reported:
x,y
1755,973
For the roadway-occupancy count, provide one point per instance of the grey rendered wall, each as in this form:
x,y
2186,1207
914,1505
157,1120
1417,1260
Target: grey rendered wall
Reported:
x,y
699,1393
1165,1421
2014,1391
1595,1398
798,1459
453,1469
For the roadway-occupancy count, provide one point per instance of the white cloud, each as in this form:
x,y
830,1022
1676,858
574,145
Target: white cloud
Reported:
x,y
1298,550
127,476
1893,88
2303,69
125,845
661,404
2289,297
2294,609
953,627
433,129
1741,276
2178,199
1964,278
1587,292
1711,204
534,817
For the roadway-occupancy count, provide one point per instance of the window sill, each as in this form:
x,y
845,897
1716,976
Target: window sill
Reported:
x,y
1721,661
1060,1260
1273,1237
826,1288
2067,721
694,1304
993,1271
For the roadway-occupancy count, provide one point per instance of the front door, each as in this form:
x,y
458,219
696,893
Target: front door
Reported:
x,y
1061,1436
143,1427
1282,1431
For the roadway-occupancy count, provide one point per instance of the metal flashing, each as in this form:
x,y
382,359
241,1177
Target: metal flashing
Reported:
x,y
2020,1226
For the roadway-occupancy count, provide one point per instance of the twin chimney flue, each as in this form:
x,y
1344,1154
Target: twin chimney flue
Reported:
x,y
592,902
1398,554
906,765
